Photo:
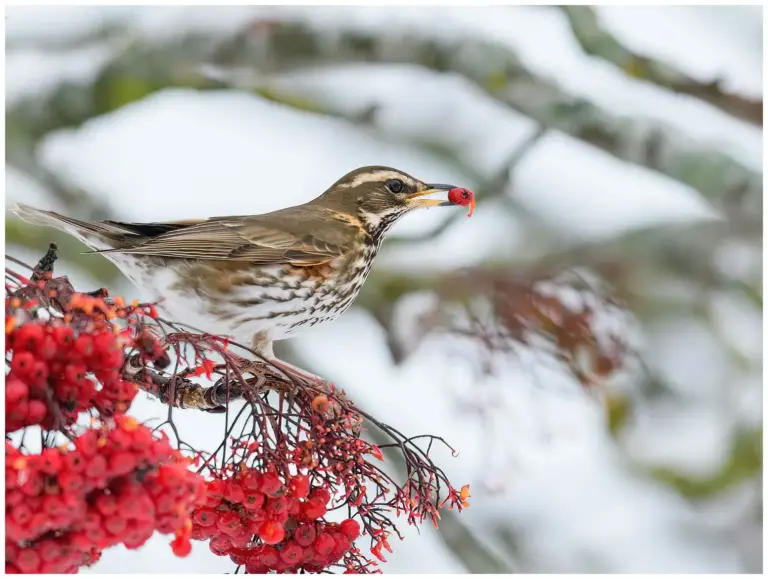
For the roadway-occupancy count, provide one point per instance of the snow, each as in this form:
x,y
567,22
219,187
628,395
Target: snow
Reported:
x,y
531,442
624,197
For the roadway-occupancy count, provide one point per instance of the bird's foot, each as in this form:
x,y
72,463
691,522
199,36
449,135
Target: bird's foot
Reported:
x,y
296,374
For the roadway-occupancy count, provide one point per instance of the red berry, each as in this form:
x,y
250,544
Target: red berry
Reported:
x,y
252,481
122,463
270,484
49,549
22,364
309,554
294,507
64,337
350,528
22,514
74,372
342,545
116,525
12,497
270,557
37,411
271,532
74,462
92,520
96,467
181,547
291,553
98,536
33,486
299,486
88,444
314,508
255,518
137,534
28,561
277,505
47,349
215,488
39,372
204,516
253,567
324,544
15,390
53,506
106,504
322,494
220,545
28,336
84,345
233,492
229,523
50,460
305,534
239,556
199,533
111,359
142,439
253,500
242,539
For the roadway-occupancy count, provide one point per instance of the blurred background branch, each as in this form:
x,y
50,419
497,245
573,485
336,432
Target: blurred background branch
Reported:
x,y
596,41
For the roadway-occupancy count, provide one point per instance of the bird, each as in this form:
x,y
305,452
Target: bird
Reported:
x,y
260,278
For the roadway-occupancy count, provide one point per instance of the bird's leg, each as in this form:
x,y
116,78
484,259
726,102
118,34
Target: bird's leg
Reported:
x,y
262,344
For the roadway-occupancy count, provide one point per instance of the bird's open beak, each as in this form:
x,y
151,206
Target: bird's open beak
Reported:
x,y
415,199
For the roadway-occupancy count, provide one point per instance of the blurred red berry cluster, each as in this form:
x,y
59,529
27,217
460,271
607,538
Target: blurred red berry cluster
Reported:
x,y
267,524
118,485
79,372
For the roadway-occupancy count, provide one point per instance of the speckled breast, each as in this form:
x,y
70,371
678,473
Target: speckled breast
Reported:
x,y
276,301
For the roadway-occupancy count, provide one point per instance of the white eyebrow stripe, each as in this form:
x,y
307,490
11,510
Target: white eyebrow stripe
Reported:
x,y
378,177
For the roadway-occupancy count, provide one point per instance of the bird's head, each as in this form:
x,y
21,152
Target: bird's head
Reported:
x,y
379,196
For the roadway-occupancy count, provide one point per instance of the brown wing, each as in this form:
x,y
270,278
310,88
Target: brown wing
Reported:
x,y
303,235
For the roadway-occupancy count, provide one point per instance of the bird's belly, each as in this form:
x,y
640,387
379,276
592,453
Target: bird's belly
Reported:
x,y
269,302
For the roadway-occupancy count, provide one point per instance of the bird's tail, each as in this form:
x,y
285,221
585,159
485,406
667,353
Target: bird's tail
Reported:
x,y
98,236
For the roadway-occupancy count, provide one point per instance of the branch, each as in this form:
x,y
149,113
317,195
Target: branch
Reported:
x,y
597,41
177,391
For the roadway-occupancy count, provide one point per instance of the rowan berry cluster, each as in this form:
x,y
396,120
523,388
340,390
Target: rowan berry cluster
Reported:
x,y
118,485
51,363
269,524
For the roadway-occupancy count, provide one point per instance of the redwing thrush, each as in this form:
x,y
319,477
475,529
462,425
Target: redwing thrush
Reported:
x,y
265,277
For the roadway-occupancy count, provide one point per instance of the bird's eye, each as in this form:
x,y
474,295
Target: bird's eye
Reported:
x,y
465,194
395,185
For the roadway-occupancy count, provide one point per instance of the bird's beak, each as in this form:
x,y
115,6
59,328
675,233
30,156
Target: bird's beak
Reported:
x,y
414,199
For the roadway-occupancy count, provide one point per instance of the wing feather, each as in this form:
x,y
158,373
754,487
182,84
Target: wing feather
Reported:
x,y
281,237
